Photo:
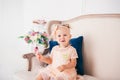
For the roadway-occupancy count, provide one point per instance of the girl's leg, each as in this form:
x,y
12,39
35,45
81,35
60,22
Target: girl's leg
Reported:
x,y
39,77
43,76
60,78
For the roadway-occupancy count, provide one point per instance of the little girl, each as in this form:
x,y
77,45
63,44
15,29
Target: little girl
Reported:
x,y
62,60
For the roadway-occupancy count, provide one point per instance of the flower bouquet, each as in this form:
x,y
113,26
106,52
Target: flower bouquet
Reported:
x,y
37,39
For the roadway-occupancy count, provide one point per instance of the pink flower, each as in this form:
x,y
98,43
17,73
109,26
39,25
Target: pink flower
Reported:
x,y
36,50
27,39
45,34
36,38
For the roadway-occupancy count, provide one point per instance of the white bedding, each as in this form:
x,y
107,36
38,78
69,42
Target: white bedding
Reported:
x,y
30,75
88,77
25,75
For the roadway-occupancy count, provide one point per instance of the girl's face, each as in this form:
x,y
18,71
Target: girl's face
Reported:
x,y
63,36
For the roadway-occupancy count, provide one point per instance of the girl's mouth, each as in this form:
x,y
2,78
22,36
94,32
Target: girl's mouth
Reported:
x,y
62,40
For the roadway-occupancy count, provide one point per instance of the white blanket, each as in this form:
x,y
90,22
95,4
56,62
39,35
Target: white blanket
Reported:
x,y
26,75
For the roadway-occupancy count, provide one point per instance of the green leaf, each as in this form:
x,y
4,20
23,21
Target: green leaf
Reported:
x,y
21,36
29,41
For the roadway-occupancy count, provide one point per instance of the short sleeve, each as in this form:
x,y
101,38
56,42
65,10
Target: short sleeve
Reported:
x,y
73,53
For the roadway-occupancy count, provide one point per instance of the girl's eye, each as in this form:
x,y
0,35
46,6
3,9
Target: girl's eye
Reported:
x,y
59,35
65,35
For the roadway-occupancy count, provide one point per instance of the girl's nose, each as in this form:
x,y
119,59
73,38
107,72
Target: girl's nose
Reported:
x,y
62,37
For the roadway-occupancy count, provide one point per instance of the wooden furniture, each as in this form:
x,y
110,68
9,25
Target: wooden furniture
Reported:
x,y
29,57
101,45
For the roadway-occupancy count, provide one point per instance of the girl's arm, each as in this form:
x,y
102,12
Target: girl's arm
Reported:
x,y
42,58
72,64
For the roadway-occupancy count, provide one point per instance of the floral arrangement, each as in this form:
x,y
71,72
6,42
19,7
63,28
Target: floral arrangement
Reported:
x,y
36,38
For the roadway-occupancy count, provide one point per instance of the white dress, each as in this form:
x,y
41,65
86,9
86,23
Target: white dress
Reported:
x,y
60,56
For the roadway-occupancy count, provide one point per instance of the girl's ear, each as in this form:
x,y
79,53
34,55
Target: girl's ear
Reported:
x,y
70,35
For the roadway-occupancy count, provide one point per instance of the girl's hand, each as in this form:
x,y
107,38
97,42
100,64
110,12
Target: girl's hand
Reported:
x,y
61,68
39,56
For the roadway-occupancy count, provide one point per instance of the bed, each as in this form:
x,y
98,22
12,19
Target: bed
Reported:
x,y
100,47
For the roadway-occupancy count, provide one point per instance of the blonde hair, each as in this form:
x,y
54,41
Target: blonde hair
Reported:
x,y
56,27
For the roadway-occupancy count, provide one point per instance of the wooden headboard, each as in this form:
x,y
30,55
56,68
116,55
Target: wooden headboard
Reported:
x,y
101,45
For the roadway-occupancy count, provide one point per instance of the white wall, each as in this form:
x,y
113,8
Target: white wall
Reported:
x,y
16,18
101,6
66,9
51,9
10,47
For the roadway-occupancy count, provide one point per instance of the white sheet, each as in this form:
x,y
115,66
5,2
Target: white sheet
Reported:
x,y
26,75
88,77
